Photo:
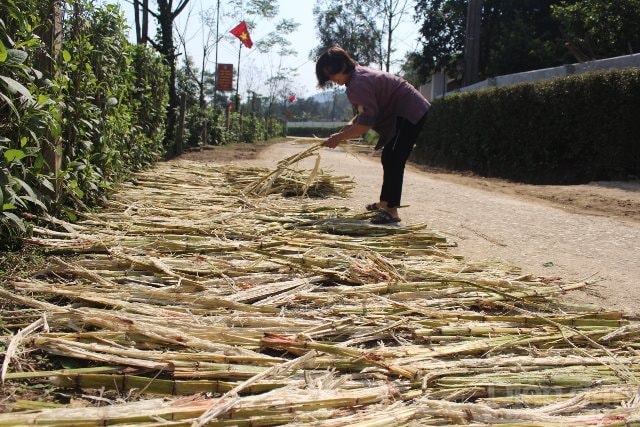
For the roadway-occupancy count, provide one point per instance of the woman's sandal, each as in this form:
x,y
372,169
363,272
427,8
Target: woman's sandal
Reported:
x,y
384,217
372,207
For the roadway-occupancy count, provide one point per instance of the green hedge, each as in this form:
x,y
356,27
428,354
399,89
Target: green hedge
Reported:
x,y
320,132
103,103
563,131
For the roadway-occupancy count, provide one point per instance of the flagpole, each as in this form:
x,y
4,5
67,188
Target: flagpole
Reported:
x,y
238,79
215,82
242,32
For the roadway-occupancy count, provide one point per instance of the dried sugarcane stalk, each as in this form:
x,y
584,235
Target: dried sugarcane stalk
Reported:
x,y
183,284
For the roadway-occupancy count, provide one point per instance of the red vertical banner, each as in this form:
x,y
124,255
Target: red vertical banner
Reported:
x,y
224,80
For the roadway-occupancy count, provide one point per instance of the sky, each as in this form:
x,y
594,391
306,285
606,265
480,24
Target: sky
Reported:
x,y
253,64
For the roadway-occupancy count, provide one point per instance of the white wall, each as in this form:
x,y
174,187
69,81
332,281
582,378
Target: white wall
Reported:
x,y
626,61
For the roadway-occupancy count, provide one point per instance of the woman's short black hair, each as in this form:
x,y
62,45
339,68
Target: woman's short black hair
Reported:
x,y
333,61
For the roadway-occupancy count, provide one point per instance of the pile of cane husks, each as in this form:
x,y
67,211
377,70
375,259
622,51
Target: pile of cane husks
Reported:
x,y
228,296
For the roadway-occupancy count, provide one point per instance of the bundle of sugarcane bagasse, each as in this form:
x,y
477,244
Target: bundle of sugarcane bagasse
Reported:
x,y
219,295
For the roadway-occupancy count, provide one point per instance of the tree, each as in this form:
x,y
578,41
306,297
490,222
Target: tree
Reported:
x,y
519,35
257,8
165,15
278,47
141,18
392,13
472,42
166,18
254,77
365,28
599,29
442,35
346,24
51,34
516,35
209,42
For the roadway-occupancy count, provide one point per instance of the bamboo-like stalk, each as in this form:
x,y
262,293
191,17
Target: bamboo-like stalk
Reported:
x,y
483,414
14,342
162,297
603,396
264,185
127,383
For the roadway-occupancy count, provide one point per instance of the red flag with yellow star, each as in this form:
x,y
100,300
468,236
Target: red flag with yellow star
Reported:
x,y
241,32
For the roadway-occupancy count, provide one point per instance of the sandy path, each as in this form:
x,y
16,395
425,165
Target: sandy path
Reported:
x,y
540,239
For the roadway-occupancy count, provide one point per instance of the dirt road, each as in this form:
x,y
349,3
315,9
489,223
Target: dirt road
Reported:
x,y
577,233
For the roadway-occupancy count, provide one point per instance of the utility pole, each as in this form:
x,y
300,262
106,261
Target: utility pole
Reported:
x,y
472,42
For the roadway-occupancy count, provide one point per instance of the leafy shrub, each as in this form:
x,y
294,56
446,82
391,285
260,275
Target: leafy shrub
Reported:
x,y
569,130
28,118
240,128
148,102
104,102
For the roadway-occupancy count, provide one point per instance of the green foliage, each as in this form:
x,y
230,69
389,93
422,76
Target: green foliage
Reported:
x,y
205,118
442,33
348,24
520,35
568,130
600,29
523,35
261,8
88,81
148,103
252,129
28,114
336,107
221,131
102,99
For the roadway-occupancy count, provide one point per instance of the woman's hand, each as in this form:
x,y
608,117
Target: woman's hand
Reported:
x,y
348,132
333,141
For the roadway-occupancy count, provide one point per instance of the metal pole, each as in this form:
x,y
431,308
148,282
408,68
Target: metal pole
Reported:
x,y
238,79
215,82
239,52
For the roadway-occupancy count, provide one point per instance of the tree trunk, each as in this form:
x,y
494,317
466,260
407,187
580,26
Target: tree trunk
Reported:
x,y
180,132
389,38
145,21
51,34
472,42
141,19
167,50
136,20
